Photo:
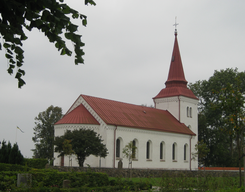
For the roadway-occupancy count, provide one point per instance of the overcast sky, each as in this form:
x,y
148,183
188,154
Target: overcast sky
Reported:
x,y
128,51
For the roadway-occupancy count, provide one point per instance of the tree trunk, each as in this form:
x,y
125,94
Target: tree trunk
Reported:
x,y
81,161
231,152
239,159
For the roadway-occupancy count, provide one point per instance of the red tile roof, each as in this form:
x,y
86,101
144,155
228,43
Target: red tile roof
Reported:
x,y
79,115
129,115
175,91
176,85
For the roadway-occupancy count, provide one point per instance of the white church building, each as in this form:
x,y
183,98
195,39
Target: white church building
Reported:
x,y
165,136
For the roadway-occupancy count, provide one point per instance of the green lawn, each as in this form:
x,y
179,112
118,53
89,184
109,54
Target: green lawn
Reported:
x,y
190,183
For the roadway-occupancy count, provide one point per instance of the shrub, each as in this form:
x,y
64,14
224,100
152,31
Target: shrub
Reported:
x,y
36,163
13,167
7,179
47,178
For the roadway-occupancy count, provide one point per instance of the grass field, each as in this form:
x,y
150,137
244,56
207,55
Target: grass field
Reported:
x,y
183,183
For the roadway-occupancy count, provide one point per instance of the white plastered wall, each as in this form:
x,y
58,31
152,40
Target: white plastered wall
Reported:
x,y
156,137
177,106
59,130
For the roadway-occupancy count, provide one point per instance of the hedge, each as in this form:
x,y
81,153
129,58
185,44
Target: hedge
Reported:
x,y
52,177
36,163
52,180
49,178
13,167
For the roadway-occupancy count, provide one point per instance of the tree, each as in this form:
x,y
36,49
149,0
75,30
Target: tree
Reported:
x,y
9,154
15,156
85,142
52,18
216,107
44,132
232,106
201,152
67,149
4,157
129,152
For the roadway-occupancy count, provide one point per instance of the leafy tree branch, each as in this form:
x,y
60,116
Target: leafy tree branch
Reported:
x,y
52,18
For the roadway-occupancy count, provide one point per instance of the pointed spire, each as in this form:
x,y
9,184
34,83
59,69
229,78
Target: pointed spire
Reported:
x,y
176,76
176,84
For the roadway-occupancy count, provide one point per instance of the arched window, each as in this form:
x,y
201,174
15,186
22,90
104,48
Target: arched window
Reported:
x,y
148,150
118,142
134,150
162,150
185,152
187,111
174,152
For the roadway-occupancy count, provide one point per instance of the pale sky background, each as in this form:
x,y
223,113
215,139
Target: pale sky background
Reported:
x,y
127,56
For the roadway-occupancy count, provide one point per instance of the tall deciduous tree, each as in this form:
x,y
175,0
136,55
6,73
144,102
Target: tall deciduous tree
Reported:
x,y
216,107
44,132
85,142
232,106
52,18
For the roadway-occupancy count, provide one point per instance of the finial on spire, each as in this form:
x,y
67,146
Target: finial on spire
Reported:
x,y
175,25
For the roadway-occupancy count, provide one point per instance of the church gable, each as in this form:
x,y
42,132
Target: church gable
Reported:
x,y
79,115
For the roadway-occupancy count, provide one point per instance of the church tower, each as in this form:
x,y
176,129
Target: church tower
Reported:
x,y
176,97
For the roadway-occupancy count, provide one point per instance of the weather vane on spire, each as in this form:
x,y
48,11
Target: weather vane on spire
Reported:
x,y
175,25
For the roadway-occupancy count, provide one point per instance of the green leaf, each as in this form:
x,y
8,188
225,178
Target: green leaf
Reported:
x,y
72,28
84,21
18,50
12,61
6,45
8,56
45,15
79,60
63,51
68,35
23,37
10,52
21,82
10,69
